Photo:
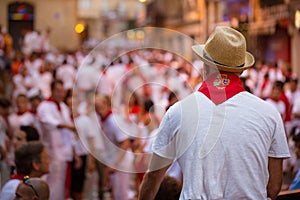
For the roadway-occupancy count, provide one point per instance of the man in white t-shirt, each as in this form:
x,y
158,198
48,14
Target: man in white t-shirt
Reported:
x,y
229,143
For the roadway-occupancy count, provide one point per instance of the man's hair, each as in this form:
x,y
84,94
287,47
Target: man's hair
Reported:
x,y
26,155
105,98
4,102
21,96
56,82
148,105
170,188
31,133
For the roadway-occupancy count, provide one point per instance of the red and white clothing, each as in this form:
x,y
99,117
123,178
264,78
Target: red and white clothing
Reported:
x,y
59,144
113,127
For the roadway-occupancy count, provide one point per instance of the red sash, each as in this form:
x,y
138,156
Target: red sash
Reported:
x,y
57,104
107,115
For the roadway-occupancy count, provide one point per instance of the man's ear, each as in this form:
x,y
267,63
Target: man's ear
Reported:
x,y
35,198
35,166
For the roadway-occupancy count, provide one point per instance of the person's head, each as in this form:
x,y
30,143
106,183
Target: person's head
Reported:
x,y
22,103
225,50
32,189
31,133
103,105
172,98
293,84
170,189
148,106
276,90
68,98
4,107
57,91
35,98
20,139
32,159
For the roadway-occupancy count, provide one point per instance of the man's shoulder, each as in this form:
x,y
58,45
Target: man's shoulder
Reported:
x,y
9,189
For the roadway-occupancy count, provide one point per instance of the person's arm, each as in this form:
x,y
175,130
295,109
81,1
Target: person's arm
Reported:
x,y
296,115
154,177
275,177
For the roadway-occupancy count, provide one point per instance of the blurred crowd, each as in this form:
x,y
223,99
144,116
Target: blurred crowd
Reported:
x,y
62,99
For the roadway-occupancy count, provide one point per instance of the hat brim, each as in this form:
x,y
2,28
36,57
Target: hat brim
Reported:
x,y
249,60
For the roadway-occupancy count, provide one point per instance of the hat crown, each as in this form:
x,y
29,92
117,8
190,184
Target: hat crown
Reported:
x,y
226,46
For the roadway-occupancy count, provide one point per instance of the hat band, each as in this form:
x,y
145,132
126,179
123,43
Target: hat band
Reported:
x,y
205,55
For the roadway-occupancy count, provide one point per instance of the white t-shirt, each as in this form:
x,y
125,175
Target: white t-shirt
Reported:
x,y
222,150
8,192
84,129
59,142
67,74
296,109
114,128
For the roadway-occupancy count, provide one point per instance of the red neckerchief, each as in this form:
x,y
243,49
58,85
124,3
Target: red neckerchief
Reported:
x,y
221,86
106,116
57,104
265,82
21,113
17,176
135,109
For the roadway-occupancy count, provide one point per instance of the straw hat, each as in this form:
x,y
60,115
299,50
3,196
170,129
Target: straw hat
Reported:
x,y
225,49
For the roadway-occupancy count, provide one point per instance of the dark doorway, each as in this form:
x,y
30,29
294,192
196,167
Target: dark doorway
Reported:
x,y
20,20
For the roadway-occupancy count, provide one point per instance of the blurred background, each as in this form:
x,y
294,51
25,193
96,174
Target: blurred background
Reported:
x,y
270,26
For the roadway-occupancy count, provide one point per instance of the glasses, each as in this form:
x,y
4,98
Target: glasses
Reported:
x,y
26,181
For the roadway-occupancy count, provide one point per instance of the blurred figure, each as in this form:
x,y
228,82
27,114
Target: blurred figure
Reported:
x,y
110,124
32,160
5,139
32,189
275,100
296,138
58,133
66,72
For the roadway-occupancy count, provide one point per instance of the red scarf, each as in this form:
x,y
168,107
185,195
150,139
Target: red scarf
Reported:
x,y
221,86
21,113
18,176
106,116
57,104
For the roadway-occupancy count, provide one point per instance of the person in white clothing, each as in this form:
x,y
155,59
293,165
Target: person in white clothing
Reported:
x,y
58,131
228,143
118,159
66,72
275,100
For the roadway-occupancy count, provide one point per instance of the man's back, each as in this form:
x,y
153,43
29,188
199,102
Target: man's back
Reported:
x,y
227,155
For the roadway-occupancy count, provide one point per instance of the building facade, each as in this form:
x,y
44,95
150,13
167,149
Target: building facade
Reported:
x,y
58,16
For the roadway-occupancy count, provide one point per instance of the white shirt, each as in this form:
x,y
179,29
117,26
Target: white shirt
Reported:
x,y
67,74
113,128
87,77
222,150
296,109
8,192
84,129
59,141
44,84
